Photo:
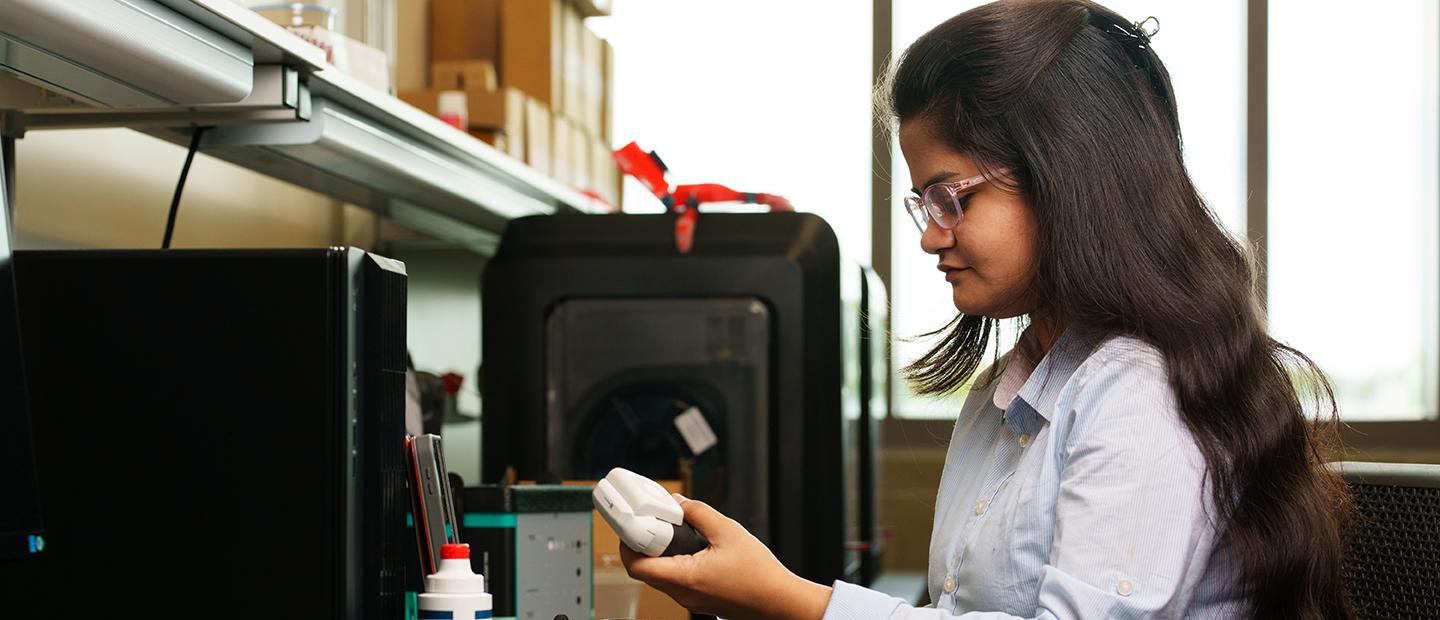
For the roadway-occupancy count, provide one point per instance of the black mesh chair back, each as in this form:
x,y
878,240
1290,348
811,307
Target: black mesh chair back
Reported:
x,y
1392,569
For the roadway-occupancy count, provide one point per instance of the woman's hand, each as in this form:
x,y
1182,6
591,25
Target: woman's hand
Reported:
x,y
736,577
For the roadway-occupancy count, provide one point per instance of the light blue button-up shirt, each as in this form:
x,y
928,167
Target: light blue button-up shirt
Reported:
x,y
1085,497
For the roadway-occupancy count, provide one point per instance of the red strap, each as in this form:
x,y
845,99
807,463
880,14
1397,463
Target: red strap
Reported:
x,y
685,230
635,162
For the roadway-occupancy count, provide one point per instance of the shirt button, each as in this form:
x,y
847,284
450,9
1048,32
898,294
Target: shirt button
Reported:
x,y
949,584
1025,440
1124,588
980,507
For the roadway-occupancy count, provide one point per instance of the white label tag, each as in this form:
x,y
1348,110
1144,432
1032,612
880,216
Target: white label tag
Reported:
x,y
696,431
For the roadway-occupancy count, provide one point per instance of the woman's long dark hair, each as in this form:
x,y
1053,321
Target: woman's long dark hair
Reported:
x,y
1072,99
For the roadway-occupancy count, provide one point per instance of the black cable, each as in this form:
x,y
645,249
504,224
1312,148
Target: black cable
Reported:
x,y
184,172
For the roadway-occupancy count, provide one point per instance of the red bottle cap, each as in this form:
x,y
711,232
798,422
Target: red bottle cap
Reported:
x,y
455,552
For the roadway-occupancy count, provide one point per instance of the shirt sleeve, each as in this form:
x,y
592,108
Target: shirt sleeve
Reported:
x,y
1132,527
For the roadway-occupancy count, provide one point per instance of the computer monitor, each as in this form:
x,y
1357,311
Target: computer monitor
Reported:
x,y
21,531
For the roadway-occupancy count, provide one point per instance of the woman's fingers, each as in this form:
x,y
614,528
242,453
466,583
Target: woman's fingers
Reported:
x,y
647,569
709,522
735,576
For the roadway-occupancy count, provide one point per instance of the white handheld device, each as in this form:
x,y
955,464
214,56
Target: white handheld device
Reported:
x,y
644,515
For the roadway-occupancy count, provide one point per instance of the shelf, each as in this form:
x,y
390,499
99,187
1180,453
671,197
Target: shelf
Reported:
x,y
272,105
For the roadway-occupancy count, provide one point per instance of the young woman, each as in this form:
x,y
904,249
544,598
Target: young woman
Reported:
x,y
1143,451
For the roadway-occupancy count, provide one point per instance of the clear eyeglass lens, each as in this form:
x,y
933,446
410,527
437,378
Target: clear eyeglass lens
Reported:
x,y
944,205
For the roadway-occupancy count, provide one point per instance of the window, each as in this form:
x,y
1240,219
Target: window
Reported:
x,y
1352,209
920,298
759,95
1202,45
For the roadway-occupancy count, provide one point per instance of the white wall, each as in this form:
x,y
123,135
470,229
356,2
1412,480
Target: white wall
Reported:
x,y
111,188
444,336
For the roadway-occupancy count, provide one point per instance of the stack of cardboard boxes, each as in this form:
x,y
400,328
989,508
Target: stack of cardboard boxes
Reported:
x,y
536,83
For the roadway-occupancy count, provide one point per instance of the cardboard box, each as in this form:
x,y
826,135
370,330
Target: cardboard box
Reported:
x,y
563,160
537,135
607,97
620,191
491,137
360,61
593,8
509,143
593,87
656,605
412,45
594,169
502,110
427,100
465,30
463,75
580,148
515,130
514,127
530,48
578,159
597,169
603,171
572,102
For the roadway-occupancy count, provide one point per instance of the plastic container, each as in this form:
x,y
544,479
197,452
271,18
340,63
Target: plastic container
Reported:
x,y
455,592
298,14
453,108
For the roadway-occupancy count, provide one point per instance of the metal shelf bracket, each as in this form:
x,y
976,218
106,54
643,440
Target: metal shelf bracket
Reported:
x,y
278,96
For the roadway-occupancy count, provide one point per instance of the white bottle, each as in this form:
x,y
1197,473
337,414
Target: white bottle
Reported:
x,y
455,592
453,107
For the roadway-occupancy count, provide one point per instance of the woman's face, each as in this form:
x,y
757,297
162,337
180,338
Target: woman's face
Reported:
x,y
989,258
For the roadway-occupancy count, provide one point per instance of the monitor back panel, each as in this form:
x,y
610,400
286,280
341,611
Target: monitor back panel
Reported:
x,y
191,427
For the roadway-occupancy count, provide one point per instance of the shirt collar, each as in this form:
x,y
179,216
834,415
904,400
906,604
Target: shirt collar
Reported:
x,y
1017,368
1043,387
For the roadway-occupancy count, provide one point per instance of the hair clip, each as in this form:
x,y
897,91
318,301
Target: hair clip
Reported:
x,y
1151,31
1137,31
